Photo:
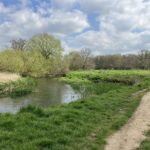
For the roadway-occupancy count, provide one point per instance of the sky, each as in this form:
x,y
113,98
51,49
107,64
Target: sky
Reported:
x,y
104,26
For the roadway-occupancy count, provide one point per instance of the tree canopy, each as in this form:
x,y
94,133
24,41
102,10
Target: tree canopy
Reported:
x,y
46,44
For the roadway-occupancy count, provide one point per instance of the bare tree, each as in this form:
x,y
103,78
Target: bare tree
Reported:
x,y
18,44
144,59
86,57
81,59
130,61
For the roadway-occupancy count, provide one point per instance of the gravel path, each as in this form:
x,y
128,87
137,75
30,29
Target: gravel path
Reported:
x,y
131,135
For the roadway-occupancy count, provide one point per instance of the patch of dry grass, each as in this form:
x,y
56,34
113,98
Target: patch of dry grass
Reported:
x,y
7,77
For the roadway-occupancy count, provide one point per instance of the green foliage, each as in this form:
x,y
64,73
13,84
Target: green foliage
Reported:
x,y
11,61
46,44
42,57
31,63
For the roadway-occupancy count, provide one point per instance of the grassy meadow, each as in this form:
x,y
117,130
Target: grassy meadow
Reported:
x,y
84,124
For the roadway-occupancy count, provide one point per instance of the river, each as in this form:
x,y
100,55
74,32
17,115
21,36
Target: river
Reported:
x,y
48,92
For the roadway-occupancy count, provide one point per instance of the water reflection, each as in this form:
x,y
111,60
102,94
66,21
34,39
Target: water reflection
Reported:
x,y
48,92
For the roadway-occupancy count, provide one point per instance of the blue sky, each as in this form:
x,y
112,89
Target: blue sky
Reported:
x,y
105,26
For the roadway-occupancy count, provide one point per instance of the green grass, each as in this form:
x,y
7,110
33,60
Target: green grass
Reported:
x,y
17,88
69,126
84,124
128,77
145,144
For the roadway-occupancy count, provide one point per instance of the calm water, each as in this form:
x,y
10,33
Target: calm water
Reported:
x,y
48,92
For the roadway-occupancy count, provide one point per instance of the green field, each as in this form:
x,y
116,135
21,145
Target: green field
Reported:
x,y
84,124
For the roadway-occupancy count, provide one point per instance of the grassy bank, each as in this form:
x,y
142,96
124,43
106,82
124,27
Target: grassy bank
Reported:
x,y
79,125
138,78
17,88
83,124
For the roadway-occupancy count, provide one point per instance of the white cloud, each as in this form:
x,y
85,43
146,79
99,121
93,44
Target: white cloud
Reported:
x,y
65,4
124,25
2,8
25,22
68,22
98,6
124,28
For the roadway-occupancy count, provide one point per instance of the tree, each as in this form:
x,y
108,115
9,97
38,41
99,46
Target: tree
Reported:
x,y
144,59
46,44
18,44
81,60
85,55
74,60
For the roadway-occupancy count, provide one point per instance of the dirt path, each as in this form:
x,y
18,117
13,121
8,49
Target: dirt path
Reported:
x,y
6,77
132,134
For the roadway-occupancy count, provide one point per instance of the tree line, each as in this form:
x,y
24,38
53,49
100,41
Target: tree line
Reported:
x,y
42,55
130,61
85,60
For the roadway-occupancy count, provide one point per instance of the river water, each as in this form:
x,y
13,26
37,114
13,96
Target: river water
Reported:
x,y
48,92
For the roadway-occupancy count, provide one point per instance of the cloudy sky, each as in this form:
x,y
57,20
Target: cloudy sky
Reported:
x,y
105,26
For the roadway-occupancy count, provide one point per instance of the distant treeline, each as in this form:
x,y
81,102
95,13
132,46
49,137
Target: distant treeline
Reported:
x,y
85,60
42,55
130,61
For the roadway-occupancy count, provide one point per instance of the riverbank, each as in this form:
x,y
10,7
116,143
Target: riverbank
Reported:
x,y
81,124
84,124
15,85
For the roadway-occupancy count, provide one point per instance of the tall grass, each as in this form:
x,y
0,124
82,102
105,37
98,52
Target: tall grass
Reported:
x,y
17,88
